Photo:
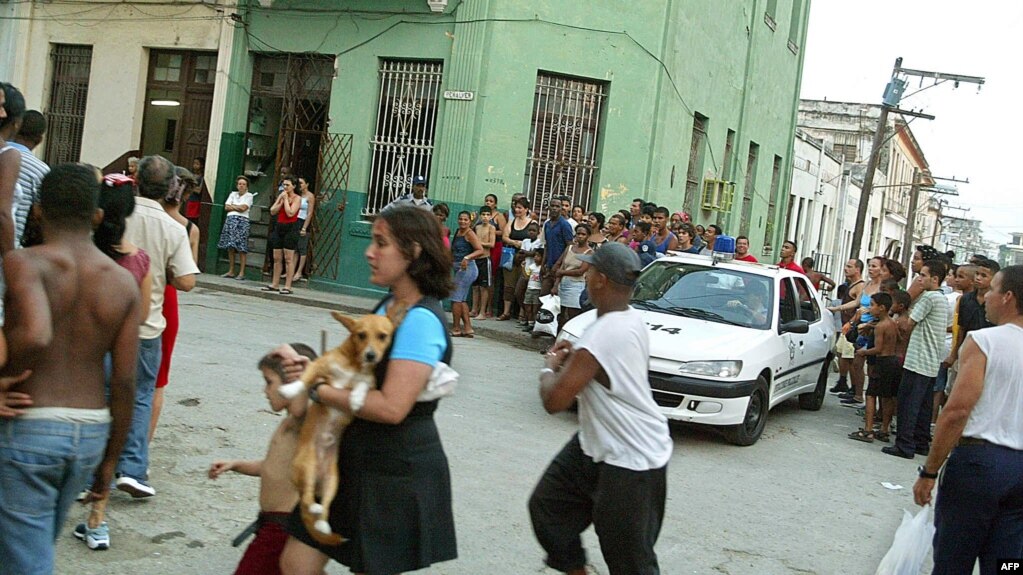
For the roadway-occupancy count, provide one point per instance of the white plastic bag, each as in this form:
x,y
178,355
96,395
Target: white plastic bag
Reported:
x,y
911,545
547,315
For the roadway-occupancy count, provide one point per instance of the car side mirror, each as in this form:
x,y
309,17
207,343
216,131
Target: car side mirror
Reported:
x,y
795,326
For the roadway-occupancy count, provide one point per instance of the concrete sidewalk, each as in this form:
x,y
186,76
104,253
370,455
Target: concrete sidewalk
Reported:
x,y
505,331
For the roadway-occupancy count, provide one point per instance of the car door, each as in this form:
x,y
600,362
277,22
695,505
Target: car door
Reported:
x,y
815,344
787,359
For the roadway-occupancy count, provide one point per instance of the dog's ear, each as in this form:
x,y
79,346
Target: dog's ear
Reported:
x,y
346,321
396,314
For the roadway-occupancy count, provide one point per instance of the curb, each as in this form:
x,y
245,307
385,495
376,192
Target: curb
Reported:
x,y
357,305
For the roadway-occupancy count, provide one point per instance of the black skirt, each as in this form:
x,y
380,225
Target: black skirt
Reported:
x,y
394,497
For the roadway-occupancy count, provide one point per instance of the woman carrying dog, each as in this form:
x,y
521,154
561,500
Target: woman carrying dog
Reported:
x,y
394,493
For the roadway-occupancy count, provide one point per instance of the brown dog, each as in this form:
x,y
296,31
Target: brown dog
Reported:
x,y
349,365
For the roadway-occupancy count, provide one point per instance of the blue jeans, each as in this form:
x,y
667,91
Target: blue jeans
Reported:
x,y
916,396
43,466
134,460
979,509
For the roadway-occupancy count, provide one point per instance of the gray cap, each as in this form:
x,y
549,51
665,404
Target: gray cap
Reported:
x,y
616,261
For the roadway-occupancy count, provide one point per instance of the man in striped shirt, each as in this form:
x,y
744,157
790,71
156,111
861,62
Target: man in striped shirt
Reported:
x,y
33,127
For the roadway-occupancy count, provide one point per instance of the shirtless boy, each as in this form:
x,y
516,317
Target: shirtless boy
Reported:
x,y
68,305
277,494
887,370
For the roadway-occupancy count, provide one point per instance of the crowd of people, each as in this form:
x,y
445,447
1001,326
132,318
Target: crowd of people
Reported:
x,y
91,315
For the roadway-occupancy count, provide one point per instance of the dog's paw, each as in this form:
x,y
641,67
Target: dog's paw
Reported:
x,y
291,390
315,508
322,526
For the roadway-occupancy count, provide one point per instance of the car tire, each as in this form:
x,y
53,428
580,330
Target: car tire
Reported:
x,y
748,432
813,400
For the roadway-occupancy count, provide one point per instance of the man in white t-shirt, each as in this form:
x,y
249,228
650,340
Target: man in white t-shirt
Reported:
x,y
612,473
979,512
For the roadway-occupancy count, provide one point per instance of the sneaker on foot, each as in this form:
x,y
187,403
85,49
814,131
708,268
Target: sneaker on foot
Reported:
x,y
840,387
135,487
96,539
846,395
854,403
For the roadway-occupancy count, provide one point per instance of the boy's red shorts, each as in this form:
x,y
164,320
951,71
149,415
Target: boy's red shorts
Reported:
x,y
263,555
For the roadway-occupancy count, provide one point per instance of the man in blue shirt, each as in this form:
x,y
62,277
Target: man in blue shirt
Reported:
x,y
557,235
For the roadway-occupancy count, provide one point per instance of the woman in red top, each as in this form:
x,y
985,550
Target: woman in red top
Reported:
x,y
284,238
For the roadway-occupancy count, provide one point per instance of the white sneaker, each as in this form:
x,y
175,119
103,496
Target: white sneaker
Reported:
x,y
135,487
96,539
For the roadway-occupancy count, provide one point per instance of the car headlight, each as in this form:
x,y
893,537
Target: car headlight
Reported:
x,y
711,368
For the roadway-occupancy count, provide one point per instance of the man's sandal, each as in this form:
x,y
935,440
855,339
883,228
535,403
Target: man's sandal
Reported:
x,y
862,435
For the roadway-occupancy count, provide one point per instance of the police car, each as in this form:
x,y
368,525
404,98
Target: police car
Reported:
x,y
729,340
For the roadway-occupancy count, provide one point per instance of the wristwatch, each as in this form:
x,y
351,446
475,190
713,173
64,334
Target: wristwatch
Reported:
x,y
924,474
313,393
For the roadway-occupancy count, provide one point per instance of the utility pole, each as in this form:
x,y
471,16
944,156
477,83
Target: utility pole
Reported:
x,y
892,96
914,201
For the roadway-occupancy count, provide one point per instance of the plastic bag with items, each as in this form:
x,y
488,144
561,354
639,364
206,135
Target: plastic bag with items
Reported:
x,y
911,545
547,315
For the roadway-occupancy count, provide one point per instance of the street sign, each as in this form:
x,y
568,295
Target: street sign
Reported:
x,y
459,95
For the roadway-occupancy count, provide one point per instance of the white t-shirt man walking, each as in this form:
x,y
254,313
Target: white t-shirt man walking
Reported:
x,y
613,472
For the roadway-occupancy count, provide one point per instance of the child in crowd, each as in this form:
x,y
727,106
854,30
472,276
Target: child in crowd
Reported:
x,y
235,236
531,270
887,371
525,254
899,312
481,289
277,494
646,249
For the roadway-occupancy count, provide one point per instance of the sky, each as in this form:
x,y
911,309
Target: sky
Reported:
x,y
852,46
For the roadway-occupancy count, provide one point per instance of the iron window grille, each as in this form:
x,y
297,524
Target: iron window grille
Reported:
x,y
563,140
403,143
69,92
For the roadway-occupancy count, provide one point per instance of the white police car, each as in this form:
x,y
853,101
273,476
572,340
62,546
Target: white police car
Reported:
x,y
729,340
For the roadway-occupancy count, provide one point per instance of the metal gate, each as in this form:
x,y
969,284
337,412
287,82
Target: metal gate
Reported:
x,y
69,92
304,115
406,125
335,160
563,140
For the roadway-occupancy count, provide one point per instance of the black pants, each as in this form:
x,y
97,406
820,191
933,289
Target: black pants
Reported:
x,y
625,507
916,396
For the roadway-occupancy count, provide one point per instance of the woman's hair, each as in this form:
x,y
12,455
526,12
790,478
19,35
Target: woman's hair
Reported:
x,y
467,214
431,271
522,202
292,179
247,181
895,268
689,229
186,181
490,196
589,230
599,217
442,209
117,202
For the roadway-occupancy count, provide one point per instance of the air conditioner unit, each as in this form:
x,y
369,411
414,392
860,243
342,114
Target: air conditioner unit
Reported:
x,y
437,5
717,195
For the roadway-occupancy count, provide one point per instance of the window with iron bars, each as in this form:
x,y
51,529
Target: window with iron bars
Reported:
x,y
69,92
747,188
563,140
403,142
695,161
775,184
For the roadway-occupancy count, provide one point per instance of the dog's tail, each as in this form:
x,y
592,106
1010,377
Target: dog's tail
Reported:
x,y
319,529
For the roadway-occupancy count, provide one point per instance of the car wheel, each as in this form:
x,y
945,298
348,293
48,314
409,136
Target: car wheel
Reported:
x,y
813,400
748,432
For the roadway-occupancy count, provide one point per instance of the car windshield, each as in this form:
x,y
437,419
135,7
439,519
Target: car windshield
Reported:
x,y
706,292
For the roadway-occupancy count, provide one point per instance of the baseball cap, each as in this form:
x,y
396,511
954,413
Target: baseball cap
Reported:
x,y
616,261
419,181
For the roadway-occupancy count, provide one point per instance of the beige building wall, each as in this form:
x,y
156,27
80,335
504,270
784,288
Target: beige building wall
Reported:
x,y
121,38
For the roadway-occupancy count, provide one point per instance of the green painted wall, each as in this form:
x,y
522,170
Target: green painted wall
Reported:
x,y
726,64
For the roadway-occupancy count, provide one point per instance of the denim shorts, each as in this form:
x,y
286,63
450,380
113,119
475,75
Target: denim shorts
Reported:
x,y
44,464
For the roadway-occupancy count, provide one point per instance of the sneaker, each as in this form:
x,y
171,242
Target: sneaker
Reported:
x,y
840,387
135,487
82,496
854,403
96,539
846,395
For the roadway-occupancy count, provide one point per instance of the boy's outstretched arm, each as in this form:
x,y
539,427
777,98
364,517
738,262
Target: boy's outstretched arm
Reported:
x,y
253,468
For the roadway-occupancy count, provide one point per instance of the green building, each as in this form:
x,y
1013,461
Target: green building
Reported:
x,y
691,105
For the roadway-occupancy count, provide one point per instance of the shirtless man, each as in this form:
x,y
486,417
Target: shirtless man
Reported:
x,y
68,305
850,301
887,370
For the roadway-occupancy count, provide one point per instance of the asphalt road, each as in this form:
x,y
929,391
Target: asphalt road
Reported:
x,y
804,499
